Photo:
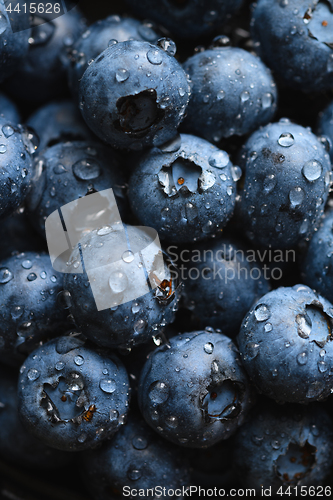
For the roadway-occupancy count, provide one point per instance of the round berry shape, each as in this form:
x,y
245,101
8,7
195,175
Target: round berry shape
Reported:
x,y
70,396
134,95
194,391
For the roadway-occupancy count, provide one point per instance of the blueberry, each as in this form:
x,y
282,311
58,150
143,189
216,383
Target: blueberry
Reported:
x,y
185,18
58,121
286,184
16,444
220,284
194,391
134,95
8,109
285,343
295,39
29,309
133,312
70,396
185,190
14,36
316,267
284,446
135,458
19,176
325,126
75,169
233,92
98,37
43,69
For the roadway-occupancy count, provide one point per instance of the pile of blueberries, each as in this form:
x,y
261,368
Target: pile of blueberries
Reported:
x,y
212,122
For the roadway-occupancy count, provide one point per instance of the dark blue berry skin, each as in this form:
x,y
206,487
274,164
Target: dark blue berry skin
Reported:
x,y
126,324
8,109
19,175
135,458
286,345
58,121
286,184
30,312
75,169
134,95
325,125
44,68
16,444
98,37
187,19
233,93
316,268
268,444
71,396
19,236
13,46
186,192
225,285
295,40
194,391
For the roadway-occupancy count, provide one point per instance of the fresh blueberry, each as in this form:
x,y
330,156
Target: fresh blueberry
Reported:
x,y
43,69
19,176
121,274
284,447
135,94
101,35
70,396
286,346
75,169
29,309
220,284
194,390
317,270
185,18
14,36
185,190
325,126
8,109
233,92
58,121
16,444
295,39
286,184
135,458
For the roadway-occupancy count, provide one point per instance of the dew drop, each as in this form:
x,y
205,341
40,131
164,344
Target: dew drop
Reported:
x,y
139,443
5,275
33,374
209,348
118,281
79,360
245,96
286,140
220,159
171,422
7,131
122,75
134,474
269,183
296,197
108,385
154,56
266,100
86,170
3,148
302,358
158,392
262,312
128,256
252,349
220,95
167,45
312,170
32,277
